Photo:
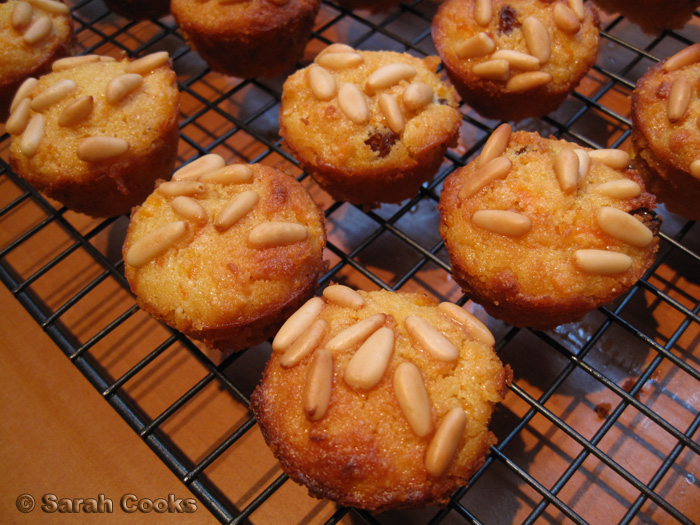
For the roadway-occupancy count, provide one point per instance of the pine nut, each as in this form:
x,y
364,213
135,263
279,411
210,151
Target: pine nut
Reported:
x,y
695,169
417,95
503,222
624,227
343,296
337,48
120,87
679,99
527,81
276,234
305,344
492,70
96,149
495,145
33,133
19,119
413,398
685,57
537,39
477,46
389,75
319,382
483,12
177,188
231,174
577,7
53,94
21,15
356,333
584,162
618,189
392,113
40,29
23,92
63,64
338,61
493,170
321,82
566,168
76,111
199,167
353,103
602,262
237,208
190,209
613,158
297,324
476,328
155,243
50,6
148,63
566,19
431,340
445,442
517,60
368,365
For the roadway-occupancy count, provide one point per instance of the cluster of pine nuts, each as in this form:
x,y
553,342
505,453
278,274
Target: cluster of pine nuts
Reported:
x,y
31,19
303,334
501,62
570,164
91,149
190,182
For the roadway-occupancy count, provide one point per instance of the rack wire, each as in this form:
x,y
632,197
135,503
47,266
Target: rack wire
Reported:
x,y
601,422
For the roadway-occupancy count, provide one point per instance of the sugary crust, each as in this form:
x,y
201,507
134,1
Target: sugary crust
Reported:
x,y
532,280
571,55
367,163
139,9
109,187
663,150
363,453
244,39
215,286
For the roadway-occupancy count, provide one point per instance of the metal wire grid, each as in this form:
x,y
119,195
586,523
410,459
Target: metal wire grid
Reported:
x,y
546,495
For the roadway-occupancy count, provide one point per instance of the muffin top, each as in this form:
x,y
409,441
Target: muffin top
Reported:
x,y
367,110
380,399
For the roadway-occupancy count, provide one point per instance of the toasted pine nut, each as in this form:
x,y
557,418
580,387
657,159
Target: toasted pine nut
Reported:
x,y
337,48
33,133
50,6
577,7
413,398
188,208
389,75
602,262
21,15
276,234
321,82
503,222
537,39
199,167
476,328
483,12
63,64
237,208
431,340
339,60
618,189
478,45
443,446
495,145
319,382
177,188
695,169
492,70
343,296
417,95
231,174
679,99
53,94
353,103
368,365
76,111
584,162
305,344
23,92
392,113
297,324
155,243
527,81
517,60
356,333
566,168
566,19
40,29
684,57
96,149
19,118
624,227
613,158
148,63
120,87
493,170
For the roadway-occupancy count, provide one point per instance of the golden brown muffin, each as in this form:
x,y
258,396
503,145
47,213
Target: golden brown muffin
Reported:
x,y
380,400
225,254
369,126
95,134
666,131
247,38
139,9
541,231
514,59
32,35
652,16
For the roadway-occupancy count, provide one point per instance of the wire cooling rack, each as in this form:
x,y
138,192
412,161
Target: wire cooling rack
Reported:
x,y
601,422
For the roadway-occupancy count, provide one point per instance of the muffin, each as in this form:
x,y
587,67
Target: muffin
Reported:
x,y
95,133
380,400
666,131
32,35
514,59
247,38
369,126
541,231
138,9
652,16
225,254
